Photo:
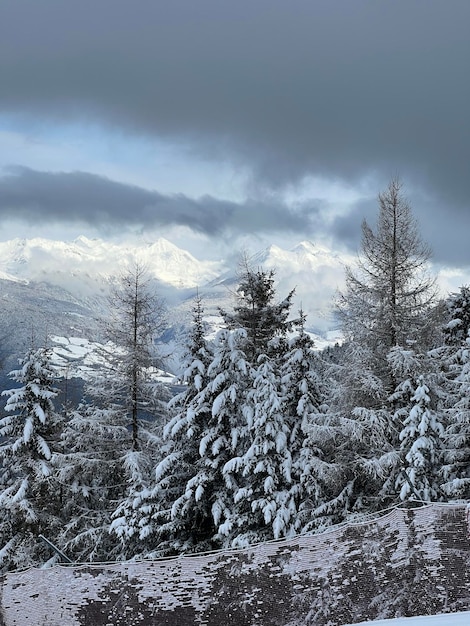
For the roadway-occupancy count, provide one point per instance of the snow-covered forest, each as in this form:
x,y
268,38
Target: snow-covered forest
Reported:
x,y
266,436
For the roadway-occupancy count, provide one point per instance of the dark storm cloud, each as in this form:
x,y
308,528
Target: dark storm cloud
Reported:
x,y
331,87
447,236
86,198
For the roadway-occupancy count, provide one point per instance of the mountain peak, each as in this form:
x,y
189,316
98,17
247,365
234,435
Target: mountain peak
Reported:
x,y
85,241
305,246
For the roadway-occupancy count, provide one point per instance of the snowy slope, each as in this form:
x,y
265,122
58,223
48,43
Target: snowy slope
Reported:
x,y
77,357
447,619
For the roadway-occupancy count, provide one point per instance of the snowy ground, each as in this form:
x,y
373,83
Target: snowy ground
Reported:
x,y
79,357
448,619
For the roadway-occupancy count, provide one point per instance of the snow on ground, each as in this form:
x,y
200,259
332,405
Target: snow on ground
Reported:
x,y
447,619
79,357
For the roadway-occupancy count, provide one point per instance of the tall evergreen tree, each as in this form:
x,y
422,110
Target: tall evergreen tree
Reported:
x,y
30,496
455,361
385,307
112,441
389,295
232,416
137,316
266,500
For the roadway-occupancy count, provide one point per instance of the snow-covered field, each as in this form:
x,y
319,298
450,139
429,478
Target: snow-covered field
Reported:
x,y
447,619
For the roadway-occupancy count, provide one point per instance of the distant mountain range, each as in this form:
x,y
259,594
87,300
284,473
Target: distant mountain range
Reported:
x,y
84,266
60,288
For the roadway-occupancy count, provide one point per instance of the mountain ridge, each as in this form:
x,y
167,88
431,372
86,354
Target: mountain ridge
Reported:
x,y
50,286
86,267
30,259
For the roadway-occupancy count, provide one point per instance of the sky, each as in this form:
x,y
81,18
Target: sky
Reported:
x,y
230,125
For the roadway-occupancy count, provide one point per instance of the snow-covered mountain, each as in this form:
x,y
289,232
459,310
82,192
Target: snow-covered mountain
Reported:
x,y
56,287
84,265
314,271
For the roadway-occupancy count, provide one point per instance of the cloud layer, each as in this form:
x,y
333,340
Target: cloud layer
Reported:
x,y
87,198
338,89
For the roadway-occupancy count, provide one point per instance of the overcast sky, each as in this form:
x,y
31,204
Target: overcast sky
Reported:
x,y
224,122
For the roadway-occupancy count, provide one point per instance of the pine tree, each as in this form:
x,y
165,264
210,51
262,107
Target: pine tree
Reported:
x,y
386,305
112,441
389,296
310,437
227,476
151,522
257,310
137,315
421,447
455,363
30,496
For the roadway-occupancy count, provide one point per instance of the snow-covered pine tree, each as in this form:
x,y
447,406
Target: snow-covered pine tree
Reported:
x,y
265,503
310,436
421,448
30,496
151,521
455,360
388,297
112,442
137,317
386,304
257,310
214,504
265,324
